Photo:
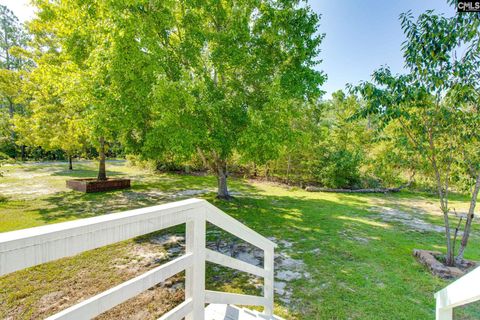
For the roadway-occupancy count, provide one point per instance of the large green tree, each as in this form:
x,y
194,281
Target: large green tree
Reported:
x,y
242,71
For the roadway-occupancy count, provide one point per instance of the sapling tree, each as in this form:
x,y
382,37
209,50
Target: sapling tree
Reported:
x,y
466,96
442,55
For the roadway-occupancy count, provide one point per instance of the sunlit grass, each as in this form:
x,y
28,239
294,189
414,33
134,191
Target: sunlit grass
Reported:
x,y
365,221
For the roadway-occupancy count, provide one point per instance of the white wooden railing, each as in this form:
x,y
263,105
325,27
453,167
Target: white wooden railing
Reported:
x,y
461,292
29,247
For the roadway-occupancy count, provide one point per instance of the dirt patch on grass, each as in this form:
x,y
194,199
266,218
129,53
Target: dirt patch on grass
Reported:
x,y
26,191
412,221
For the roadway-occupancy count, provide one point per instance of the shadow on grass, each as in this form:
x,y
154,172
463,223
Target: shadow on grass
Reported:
x,y
62,166
84,173
76,205
147,190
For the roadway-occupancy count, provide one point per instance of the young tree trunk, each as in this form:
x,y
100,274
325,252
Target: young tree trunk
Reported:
x,y
449,260
470,216
288,168
11,113
102,173
70,163
222,174
442,189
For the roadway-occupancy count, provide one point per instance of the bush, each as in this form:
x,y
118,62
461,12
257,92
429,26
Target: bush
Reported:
x,y
136,161
338,169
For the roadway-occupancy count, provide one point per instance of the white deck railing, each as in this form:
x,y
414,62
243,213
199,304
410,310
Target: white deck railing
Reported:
x,y
461,292
29,247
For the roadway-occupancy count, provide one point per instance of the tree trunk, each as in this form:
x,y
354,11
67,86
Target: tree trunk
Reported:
x,y
222,174
288,168
449,259
205,163
470,216
11,113
70,164
23,153
102,174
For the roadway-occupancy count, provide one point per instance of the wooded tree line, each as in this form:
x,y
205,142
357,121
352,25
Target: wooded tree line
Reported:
x,y
235,87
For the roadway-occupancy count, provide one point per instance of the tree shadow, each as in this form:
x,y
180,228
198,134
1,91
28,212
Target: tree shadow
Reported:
x,y
84,173
62,166
160,189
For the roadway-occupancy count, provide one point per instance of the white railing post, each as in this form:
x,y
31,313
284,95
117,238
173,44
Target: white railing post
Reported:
x,y
443,313
195,276
268,282
458,293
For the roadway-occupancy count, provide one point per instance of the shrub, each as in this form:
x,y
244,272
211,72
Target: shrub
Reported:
x,y
338,169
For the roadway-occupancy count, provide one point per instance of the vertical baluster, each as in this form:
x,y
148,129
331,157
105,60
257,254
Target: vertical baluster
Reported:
x,y
195,275
189,240
268,284
443,314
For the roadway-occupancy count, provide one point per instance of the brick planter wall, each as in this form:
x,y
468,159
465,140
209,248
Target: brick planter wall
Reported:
x,y
94,185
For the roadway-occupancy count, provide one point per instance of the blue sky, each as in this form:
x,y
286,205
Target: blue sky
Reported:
x,y
361,35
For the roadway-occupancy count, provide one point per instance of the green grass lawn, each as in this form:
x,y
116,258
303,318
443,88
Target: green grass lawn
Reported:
x,y
357,257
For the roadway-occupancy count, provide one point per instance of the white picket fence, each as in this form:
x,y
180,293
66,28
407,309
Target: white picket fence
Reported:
x,y
461,292
29,247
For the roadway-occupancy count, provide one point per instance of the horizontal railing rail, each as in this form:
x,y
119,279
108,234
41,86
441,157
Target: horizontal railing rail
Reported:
x,y
224,260
106,300
227,223
179,312
29,247
461,292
